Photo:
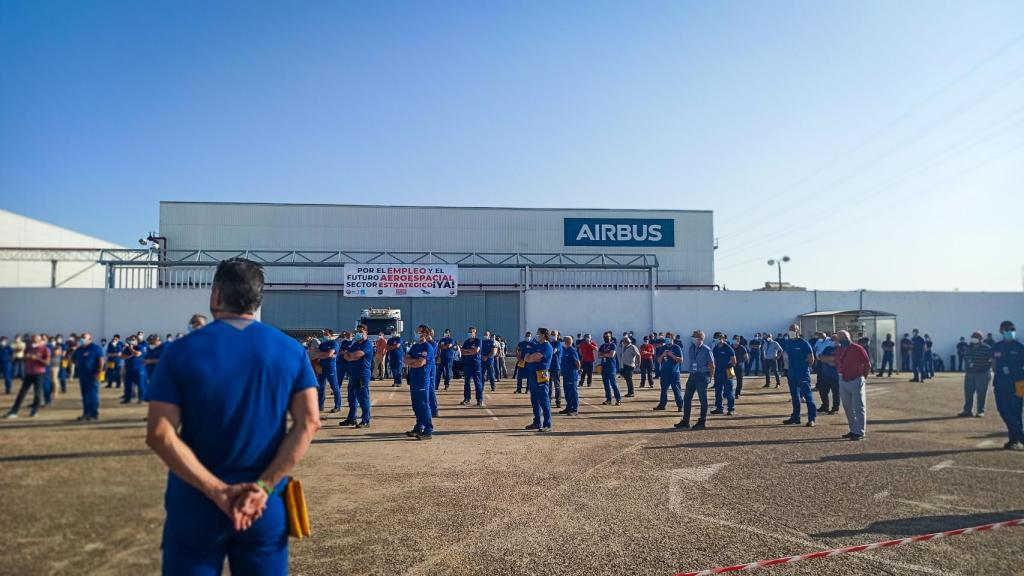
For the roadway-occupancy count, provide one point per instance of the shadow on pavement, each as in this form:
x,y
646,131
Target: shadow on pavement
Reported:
x,y
75,455
742,443
889,456
924,524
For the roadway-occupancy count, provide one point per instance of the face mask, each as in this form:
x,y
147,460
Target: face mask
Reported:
x,y
696,341
470,335
1009,334
791,334
189,329
976,340
358,336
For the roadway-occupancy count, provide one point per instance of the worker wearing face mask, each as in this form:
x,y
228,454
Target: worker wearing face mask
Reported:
x,y
854,366
771,351
702,366
800,358
521,349
1008,364
472,367
609,365
725,362
978,375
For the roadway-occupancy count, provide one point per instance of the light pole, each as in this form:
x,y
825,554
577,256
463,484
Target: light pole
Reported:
x,y
779,263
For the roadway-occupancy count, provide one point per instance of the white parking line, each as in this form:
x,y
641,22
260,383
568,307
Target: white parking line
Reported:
x,y
587,402
949,464
493,417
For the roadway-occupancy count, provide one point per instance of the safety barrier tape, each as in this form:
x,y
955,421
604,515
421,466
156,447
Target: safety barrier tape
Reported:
x,y
854,549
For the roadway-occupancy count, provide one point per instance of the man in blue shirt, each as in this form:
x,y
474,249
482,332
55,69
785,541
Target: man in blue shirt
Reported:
x,y
800,358
725,358
6,363
151,360
889,355
134,370
702,365
487,349
88,359
446,346
669,358
906,346
418,360
360,370
396,355
344,346
828,378
754,361
569,361
1008,384
917,357
218,418
537,359
554,370
432,375
114,361
608,369
327,354
472,367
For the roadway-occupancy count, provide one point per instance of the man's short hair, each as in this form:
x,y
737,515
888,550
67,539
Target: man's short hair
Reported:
x,y
1006,325
360,327
240,283
698,334
542,331
472,328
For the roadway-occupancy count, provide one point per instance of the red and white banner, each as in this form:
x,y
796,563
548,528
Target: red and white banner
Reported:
x,y
415,281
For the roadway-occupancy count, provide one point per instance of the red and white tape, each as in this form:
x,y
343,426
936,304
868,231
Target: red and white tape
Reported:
x,y
854,549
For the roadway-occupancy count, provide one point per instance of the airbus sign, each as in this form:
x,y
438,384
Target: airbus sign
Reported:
x,y
619,232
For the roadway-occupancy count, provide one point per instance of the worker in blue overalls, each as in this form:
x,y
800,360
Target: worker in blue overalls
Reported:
x,y
520,373
396,353
668,356
1008,365
418,361
360,370
609,365
134,374
114,362
432,375
327,353
569,369
471,368
344,346
725,360
488,347
446,346
917,357
537,359
799,359
553,370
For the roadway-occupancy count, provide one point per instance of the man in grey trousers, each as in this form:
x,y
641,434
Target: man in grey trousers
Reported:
x,y
977,376
854,366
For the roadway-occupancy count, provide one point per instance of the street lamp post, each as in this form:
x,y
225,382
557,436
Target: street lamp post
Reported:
x,y
779,263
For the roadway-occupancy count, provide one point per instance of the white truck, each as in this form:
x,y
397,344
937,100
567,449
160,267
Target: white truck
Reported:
x,y
381,320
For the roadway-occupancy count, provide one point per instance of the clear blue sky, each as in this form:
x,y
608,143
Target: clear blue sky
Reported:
x,y
880,144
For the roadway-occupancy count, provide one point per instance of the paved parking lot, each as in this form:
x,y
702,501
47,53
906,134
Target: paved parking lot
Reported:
x,y
615,490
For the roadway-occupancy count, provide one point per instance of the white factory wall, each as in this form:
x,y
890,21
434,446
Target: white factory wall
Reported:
x,y
944,315
99,311
225,226
17,231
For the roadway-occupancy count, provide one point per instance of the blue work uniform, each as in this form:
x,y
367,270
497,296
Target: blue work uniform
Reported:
x,y
1008,369
7,366
432,379
396,358
447,360
554,371
344,382
670,374
329,374
134,373
486,349
419,382
114,364
700,358
88,362
471,368
798,374
569,360
153,353
917,358
538,380
609,367
233,383
888,356
724,385
359,373
754,360
905,347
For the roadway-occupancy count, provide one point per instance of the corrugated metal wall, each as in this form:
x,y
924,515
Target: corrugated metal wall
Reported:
x,y
497,311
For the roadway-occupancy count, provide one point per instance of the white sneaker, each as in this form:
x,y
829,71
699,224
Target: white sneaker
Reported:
x,y
10,415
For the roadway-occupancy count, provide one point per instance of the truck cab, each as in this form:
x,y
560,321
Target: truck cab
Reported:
x,y
381,320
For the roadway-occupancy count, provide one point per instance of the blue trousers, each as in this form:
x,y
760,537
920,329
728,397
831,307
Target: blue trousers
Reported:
x,y
134,381
47,387
724,388
754,362
445,372
929,364
478,384
488,372
359,396
887,360
62,375
90,395
7,369
697,383
421,406
556,384
332,379
432,392
671,380
396,369
1010,407
610,386
114,376
520,377
920,371
572,393
800,388
905,362
198,536
541,402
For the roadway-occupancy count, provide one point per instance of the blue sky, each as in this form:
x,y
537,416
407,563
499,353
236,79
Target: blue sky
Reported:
x,y
879,144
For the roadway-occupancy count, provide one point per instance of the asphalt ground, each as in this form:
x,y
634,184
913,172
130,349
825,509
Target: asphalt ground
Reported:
x,y
615,490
